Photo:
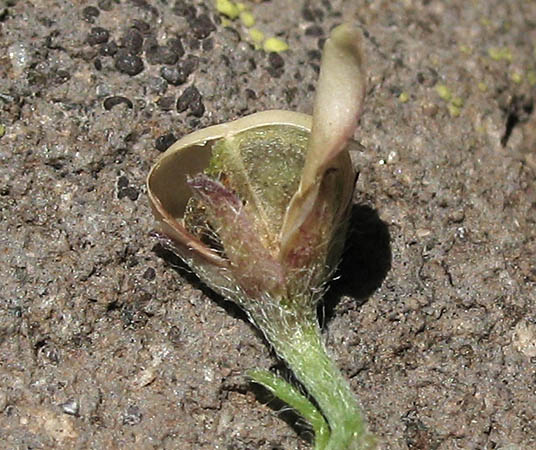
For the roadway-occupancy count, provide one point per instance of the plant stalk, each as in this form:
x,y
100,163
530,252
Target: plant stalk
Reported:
x,y
298,341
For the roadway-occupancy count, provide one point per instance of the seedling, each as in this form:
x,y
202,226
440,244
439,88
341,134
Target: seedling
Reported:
x,y
258,208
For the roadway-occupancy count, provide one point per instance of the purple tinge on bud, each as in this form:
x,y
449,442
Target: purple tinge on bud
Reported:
x,y
252,264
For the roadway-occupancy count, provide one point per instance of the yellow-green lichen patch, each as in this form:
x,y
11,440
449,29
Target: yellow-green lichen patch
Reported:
x,y
500,54
531,77
443,91
465,49
403,97
227,8
247,19
454,110
482,87
457,102
256,35
516,77
275,45
2,130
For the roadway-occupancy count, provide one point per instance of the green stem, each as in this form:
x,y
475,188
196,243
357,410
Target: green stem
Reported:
x,y
295,399
297,340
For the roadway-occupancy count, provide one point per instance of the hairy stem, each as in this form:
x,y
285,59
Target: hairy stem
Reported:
x,y
295,399
298,341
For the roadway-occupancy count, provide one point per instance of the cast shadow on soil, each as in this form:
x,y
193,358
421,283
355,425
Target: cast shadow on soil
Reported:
x,y
365,262
364,265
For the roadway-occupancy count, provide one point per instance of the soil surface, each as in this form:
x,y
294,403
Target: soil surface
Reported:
x,y
106,341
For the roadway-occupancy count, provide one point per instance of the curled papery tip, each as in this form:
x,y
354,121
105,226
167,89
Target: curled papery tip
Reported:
x,y
337,107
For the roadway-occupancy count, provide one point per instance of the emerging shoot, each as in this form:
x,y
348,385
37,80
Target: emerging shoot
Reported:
x,y
258,208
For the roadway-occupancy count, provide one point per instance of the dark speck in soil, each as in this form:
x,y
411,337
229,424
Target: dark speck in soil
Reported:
x,y
108,49
314,30
276,60
176,45
90,13
61,76
166,103
202,26
130,192
142,26
191,99
182,8
122,182
307,14
208,44
98,35
179,74
128,63
149,274
105,5
110,102
163,142
161,54
132,41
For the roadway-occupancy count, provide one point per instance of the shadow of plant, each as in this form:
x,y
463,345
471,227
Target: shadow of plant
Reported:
x,y
365,262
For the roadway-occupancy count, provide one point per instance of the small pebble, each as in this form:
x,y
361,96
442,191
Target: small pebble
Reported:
x,y
122,182
178,74
70,407
173,75
129,192
61,76
182,8
161,54
98,35
191,99
89,14
149,274
110,102
276,60
307,14
97,64
194,44
132,41
166,103
319,14
208,44
163,142
157,85
141,26
314,30
176,45
202,26
108,49
102,90
128,63
105,5
132,416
